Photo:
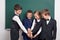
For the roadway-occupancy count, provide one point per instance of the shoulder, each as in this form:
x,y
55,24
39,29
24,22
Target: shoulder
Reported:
x,y
25,20
15,18
54,20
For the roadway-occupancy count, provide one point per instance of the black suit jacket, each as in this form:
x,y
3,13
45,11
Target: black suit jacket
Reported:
x,y
48,31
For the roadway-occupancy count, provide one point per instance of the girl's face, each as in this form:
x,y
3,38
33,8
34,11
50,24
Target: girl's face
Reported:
x,y
36,16
29,15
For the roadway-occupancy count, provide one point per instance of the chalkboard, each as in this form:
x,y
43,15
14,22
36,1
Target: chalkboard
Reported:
x,y
26,5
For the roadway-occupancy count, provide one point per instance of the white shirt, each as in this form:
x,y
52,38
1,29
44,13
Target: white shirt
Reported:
x,y
48,20
38,20
33,24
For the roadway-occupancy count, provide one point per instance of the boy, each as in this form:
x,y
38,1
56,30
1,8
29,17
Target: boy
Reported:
x,y
27,22
16,23
48,27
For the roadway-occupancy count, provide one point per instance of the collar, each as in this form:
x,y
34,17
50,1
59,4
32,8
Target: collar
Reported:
x,y
16,14
38,20
49,18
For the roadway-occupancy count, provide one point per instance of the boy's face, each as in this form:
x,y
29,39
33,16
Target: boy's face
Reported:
x,y
45,16
36,16
29,15
19,11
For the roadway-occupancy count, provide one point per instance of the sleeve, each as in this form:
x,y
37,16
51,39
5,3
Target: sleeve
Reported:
x,y
38,31
36,28
54,30
33,24
16,18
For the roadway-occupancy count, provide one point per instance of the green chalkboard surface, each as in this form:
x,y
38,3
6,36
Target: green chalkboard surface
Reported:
x,y
26,5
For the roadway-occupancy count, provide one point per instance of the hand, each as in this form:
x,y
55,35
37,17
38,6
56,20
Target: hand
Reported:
x,y
29,33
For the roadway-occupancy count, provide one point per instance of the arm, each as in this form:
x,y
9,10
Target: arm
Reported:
x,y
38,32
36,28
54,30
33,24
16,18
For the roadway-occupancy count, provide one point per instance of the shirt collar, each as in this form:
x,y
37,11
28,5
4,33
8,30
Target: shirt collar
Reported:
x,y
16,14
38,20
49,18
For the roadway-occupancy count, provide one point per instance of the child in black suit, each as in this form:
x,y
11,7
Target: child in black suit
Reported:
x,y
16,23
48,27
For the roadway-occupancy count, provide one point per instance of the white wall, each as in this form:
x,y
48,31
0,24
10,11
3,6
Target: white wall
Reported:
x,y
3,32
57,17
4,35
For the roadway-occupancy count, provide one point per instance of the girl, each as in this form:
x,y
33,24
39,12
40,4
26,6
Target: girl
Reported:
x,y
38,23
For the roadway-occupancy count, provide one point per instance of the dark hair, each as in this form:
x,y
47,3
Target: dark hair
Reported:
x,y
39,13
46,11
29,11
17,7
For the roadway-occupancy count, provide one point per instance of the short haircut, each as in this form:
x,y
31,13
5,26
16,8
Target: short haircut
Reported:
x,y
29,11
46,11
39,13
17,7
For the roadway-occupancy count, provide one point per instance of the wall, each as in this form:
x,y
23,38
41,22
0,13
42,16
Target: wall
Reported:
x,y
57,17
3,33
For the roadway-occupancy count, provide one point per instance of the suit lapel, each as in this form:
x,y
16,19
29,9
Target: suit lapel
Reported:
x,y
49,21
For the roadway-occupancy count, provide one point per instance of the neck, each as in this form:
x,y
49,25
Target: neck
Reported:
x,y
16,14
29,18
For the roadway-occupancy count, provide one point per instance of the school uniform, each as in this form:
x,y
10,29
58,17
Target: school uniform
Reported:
x,y
27,23
16,25
37,28
48,29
